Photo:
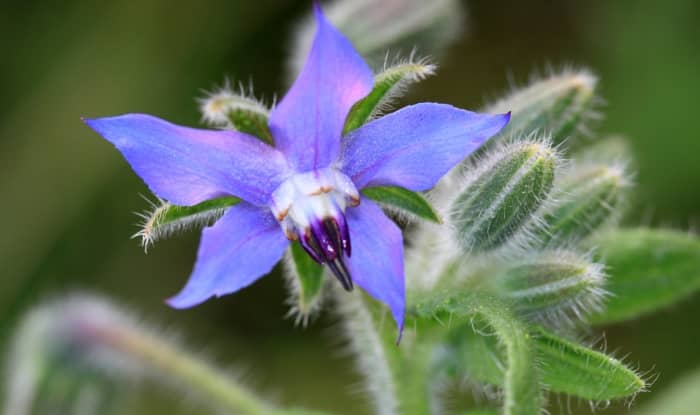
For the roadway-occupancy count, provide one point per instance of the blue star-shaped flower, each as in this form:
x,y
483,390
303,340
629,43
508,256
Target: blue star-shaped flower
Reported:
x,y
306,187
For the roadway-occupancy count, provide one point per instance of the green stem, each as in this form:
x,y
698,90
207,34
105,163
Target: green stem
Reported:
x,y
197,375
521,384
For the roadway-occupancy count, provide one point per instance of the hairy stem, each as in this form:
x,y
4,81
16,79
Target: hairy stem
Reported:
x,y
195,374
521,384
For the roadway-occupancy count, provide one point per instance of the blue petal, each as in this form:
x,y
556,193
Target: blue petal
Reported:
x,y
186,166
241,247
376,263
308,122
415,146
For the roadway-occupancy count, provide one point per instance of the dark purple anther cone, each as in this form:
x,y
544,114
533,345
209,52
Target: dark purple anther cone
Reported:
x,y
327,242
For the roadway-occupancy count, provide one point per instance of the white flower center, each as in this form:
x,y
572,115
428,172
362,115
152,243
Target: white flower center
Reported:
x,y
310,208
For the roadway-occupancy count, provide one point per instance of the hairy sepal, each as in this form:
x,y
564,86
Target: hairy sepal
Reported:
x,y
165,219
390,84
406,201
239,111
305,281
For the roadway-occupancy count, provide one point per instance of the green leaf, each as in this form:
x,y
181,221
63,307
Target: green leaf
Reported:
x,y
387,85
558,104
166,219
403,199
307,281
577,370
565,367
503,196
648,269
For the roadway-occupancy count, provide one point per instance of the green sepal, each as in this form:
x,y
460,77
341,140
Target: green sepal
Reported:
x,y
504,196
649,269
566,367
250,122
309,280
387,85
165,219
404,200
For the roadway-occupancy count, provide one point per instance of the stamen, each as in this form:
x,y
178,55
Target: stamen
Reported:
x,y
341,273
311,248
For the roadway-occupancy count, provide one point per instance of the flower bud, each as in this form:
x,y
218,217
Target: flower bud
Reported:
x,y
558,105
503,195
588,198
554,287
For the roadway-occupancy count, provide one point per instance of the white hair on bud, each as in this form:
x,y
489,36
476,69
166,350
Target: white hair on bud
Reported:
x,y
556,82
573,311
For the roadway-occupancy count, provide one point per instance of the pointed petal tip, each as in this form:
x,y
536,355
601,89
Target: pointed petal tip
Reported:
x,y
400,327
178,303
505,117
318,12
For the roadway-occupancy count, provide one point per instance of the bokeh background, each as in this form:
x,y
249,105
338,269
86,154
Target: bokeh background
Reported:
x,y
67,197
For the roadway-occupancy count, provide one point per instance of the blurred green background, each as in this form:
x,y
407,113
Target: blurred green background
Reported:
x,y
68,196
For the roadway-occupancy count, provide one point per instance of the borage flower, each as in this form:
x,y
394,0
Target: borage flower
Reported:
x,y
309,183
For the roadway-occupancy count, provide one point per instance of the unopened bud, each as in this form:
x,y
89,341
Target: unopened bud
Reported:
x,y
554,287
558,105
503,195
